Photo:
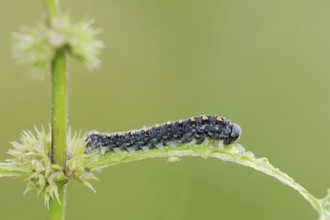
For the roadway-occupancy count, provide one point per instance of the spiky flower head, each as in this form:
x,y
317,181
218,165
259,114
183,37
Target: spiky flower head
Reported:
x,y
36,46
31,160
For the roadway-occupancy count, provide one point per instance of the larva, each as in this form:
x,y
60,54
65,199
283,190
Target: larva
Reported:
x,y
191,131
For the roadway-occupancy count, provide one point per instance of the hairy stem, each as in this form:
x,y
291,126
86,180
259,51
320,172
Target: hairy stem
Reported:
x,y
59,115
52,9
59,123
59,108
56,209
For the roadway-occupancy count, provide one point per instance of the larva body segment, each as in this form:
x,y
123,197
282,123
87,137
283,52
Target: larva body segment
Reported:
x,y
193,130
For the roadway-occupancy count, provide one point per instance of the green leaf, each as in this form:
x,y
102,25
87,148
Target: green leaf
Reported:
x,y
12,170
234,153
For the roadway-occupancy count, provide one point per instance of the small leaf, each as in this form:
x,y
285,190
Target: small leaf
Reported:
x,y
12,170
87,184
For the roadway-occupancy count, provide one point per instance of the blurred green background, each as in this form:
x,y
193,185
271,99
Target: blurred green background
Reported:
x,y
262,64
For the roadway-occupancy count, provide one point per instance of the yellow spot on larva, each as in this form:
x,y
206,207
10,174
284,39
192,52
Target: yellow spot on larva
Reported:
x,y
157,125
133,132
120,134
192,119
180,121
145,129
219,118
168,123
96,132
204,117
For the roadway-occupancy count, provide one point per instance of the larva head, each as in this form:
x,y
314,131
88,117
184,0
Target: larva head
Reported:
x,y
234,134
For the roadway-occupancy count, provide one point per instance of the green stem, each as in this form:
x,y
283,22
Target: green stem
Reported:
x,y
56,209
59,123
52,10
59,115
59,108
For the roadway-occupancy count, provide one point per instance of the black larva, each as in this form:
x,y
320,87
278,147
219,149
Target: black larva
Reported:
x,y
194,130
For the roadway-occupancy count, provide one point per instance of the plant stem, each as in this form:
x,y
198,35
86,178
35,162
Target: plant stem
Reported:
x,y
59,122
57,210
59,115
59,108
52,10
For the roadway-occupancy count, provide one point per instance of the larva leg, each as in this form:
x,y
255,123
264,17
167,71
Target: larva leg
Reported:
x,y
104,149
131,149
145,148
160,146
220,144
191,143
116,149
206,142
